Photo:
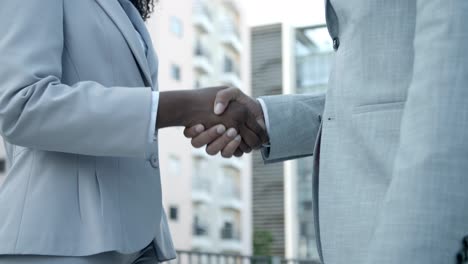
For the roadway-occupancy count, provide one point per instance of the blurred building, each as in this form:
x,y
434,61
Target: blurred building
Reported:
x,y
287,60
207,199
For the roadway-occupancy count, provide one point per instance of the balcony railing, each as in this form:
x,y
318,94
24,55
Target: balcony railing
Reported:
x,y
232,192
231,36
200,50
193,257
231,73
203,19
201,8
233,5
202,62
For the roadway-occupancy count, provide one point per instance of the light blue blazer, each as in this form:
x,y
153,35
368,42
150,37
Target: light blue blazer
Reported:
x,y
391,142
75,106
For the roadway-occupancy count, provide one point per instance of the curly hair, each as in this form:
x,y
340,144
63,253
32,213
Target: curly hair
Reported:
x,y
145,7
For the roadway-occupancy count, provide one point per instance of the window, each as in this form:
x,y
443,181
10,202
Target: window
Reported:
x,y
228,64
232,182
175,72
201,180
176,27
174,213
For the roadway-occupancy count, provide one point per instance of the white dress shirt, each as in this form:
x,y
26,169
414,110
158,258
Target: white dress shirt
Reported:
x,y
267,119
155,98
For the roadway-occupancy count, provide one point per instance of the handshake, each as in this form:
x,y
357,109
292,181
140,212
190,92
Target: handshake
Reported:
x,y
223,118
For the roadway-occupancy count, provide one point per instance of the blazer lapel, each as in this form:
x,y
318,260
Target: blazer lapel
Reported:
x,y
123,23
332,21
141,27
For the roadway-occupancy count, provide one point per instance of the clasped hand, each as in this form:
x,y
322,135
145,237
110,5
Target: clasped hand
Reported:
x,y
206,113
244,118
224,119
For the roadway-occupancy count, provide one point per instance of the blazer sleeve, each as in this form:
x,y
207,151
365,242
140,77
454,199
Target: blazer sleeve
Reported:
x,y
294,122
38,111
424,215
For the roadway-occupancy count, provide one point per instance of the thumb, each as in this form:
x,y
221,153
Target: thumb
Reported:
x,y
261,122
223,98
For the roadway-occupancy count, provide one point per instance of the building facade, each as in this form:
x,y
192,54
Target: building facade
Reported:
x,y
207,199
287,60
268,181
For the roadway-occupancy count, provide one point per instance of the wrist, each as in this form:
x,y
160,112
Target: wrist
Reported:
x,y
174,108
262,115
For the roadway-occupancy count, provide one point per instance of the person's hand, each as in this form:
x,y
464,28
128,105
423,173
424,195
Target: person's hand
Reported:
x,y
228,141
189,108
219,142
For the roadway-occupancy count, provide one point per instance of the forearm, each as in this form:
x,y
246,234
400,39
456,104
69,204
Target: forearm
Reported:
x,y
173,108
189,107
86,118
296,117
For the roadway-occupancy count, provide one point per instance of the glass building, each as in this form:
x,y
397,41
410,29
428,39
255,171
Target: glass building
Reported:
x,y
287,60
313,58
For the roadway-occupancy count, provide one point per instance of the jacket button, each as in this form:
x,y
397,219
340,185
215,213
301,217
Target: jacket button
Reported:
x,y
154,161
336,43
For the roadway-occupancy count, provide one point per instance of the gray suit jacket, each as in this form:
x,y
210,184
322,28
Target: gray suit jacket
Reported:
x,y
394,148
75,104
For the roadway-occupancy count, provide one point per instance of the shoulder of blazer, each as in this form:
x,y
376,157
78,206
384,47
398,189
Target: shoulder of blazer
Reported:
x,y
121,20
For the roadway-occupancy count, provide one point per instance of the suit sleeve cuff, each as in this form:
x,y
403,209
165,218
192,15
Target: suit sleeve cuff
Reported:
x,y
266,147
265,115
152,133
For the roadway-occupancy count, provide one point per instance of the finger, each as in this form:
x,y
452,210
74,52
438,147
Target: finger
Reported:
x,y
244,147
191,132
238,153
223,98
253,125
220,143
231,147
252,140
208,136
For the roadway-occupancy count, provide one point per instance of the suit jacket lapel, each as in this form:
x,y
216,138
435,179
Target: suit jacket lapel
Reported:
x,y
152,58
141,27
332,21
123,23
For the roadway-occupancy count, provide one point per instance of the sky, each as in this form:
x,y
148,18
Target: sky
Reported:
x,y
293,12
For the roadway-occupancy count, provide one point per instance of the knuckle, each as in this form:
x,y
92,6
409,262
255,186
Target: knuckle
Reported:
x,y
213,133
225,140
196,144
222,95
211,151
